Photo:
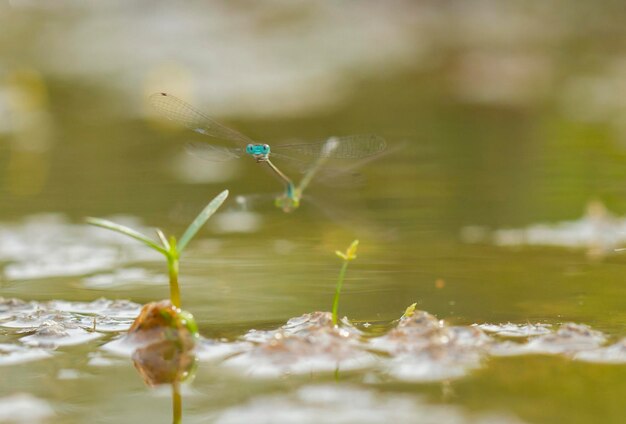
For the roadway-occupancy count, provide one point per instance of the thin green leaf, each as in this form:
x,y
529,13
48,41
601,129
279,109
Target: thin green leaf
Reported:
x,y
166,245
127,231
201,219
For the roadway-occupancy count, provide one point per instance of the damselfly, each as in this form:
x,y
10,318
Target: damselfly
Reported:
x,y
290,198
174,109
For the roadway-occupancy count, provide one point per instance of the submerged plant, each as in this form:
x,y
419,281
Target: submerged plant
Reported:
x,y
171,249
347,256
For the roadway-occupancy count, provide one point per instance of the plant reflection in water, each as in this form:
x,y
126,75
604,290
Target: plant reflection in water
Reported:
x,y
166,337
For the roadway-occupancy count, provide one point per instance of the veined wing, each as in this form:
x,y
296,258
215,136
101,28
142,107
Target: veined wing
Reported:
x,y
213,153
183,113
348,174
300,164
344,176
348,147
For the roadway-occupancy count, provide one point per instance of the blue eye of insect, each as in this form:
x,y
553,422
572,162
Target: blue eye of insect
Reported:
x,y
266,149
249,149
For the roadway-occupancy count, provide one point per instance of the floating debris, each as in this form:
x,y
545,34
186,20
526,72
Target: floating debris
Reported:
x,y
569,339
97,359
164,344
54,334
105,307
24,408
11,354
214,350
106,324
423,348
515,330
62,323
10,307
206,350
412,330
101,315
48,245
509,348
324,352
598,231
306,344
36,319
613,354
348,404
301,325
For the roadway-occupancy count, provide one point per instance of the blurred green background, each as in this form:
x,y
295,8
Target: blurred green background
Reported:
x,y
497,114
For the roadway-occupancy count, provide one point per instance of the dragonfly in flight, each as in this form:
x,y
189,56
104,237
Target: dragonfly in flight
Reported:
x,y
346,147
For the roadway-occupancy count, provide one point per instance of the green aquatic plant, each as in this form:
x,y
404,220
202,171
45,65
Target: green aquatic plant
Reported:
x,y
347,256
166,337
172,248
409,311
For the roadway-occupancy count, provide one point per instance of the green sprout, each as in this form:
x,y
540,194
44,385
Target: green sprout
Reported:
x,y
409,311
171,249
349,255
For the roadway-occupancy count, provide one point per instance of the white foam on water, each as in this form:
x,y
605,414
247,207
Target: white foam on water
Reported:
x,y
49,245
306,344
12,354
598,231
515,330
55,334
613,354
23,408
343,404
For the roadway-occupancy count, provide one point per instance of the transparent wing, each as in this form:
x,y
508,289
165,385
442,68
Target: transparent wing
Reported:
x,y
348,147
341,178
334,175
297,163
186,115
348,175
213,153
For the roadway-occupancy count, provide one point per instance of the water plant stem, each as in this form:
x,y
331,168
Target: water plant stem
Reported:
x,y
177,404
347,256
342,275
172,265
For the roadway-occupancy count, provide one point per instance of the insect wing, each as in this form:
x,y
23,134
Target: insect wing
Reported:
x,y
348,147
213,153
186,115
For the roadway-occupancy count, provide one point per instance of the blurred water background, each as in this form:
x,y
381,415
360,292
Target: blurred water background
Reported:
x,y
501,198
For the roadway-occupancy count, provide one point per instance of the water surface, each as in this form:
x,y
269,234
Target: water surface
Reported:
x,y
503,117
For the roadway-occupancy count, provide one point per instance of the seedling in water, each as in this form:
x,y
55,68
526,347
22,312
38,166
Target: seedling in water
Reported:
x,y
410,311
349,255
171,249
